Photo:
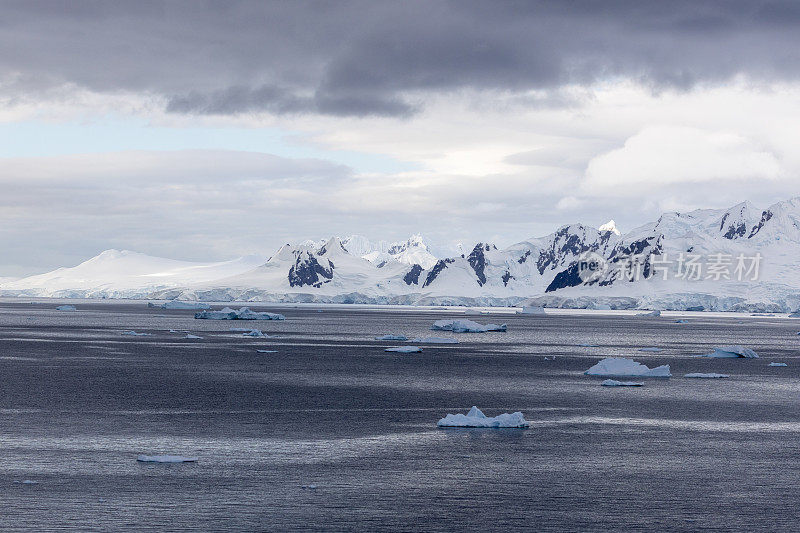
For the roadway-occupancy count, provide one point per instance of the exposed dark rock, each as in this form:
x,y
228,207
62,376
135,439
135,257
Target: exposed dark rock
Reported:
x,y
440,265
477,260
765,217
308,271
412,276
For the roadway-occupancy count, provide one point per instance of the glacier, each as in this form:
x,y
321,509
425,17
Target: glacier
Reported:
x,y
541,272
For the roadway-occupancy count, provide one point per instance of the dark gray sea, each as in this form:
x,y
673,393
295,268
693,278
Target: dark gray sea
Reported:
x,y
331,433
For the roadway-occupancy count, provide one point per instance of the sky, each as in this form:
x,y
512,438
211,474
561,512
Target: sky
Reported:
x,y
205,130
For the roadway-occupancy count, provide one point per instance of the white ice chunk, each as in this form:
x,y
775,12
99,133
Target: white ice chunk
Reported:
x,y
190,336
177,304
732,352
404,349
135,334
434,340
652,349
392,338
709,375
267,351
650,313
254,333
778,364
532,310
615,383
462,325
165,459
66,308
681,321
476,419
619,366
242,314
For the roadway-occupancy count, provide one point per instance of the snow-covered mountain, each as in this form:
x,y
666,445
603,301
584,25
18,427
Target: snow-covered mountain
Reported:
x,y
741,258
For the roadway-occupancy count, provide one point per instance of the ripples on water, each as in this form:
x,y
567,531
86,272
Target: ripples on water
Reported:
x,y
332,433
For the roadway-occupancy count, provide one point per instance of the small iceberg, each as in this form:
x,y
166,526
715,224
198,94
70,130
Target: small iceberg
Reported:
x,y
461,325
177,304
434,340
190,336
532,310
254,333
653,349
66,308
681,321
267,351
476,419
655,313
404,349
728,352
135,334
615,383
242,314
392,338
27,482
165,459
709,375
619,366
778,364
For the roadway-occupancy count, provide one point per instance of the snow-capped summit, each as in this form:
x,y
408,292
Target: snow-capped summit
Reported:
x,y
609,226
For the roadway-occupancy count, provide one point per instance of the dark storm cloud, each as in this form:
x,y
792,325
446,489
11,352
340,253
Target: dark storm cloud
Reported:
x,y
377,58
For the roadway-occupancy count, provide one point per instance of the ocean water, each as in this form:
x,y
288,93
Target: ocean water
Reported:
x,y
332,433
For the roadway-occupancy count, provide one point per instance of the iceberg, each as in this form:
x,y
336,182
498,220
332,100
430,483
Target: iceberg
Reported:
x,y
434,340
177,304
66,308
681,321
655,313
476,419
242,314
135,334
619,366
190,336
710,375
165,459
254,333
778,364
650,349
404,349
532,310
267,351
615,383
732,352
465,326
392,338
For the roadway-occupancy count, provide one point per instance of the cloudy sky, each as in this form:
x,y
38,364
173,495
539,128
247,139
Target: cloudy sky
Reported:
x,y
206,130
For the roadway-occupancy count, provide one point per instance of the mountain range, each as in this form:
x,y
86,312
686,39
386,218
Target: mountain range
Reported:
x,y
738,259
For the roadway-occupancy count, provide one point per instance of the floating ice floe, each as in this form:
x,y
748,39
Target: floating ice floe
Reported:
x,y
404,349
653,349
532,310
27,482
681,321
267,351
177,304
461,325
434,340
254,333
476,419
732,352
650,313
165,459
708,375
619,366
242,314
190,336
778,364
66,308
615,383
392,338
135,334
